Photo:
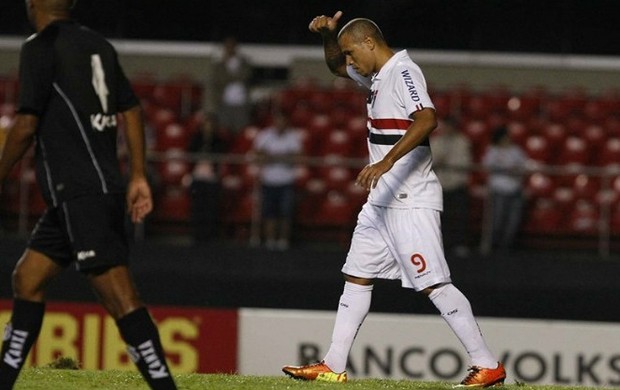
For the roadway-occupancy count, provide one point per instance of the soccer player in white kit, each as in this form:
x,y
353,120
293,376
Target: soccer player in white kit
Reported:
x,y
398,233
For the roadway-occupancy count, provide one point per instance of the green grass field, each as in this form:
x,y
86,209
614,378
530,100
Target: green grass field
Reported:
x,y
63,379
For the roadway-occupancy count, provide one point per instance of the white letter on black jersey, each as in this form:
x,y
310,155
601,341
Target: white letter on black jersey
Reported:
x,y
101,89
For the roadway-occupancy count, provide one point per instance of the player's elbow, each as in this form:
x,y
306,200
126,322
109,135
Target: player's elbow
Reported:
x,y
426,118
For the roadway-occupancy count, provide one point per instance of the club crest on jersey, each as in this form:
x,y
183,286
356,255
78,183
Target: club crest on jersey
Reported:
x,y
413,93
372,96
101,121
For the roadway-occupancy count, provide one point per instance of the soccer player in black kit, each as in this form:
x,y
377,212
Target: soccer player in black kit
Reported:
x,y
71,90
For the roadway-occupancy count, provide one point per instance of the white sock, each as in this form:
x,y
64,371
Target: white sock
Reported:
x,y
352,310
456,310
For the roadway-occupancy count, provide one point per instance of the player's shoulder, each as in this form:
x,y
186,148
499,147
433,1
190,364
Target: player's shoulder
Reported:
x,y
39,44
405,69
404,61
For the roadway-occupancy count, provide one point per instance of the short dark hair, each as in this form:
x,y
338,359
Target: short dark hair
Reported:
x,y
361,28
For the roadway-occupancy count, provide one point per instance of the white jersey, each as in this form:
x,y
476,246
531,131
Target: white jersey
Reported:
x,y
396,92
274,144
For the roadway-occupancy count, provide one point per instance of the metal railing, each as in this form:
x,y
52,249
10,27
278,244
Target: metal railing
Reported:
x,y
605,175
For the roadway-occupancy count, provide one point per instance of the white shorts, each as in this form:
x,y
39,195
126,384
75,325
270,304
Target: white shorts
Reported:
x,y
405,244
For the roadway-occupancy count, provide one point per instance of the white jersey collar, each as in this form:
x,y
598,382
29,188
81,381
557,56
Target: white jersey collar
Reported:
x,y
390,64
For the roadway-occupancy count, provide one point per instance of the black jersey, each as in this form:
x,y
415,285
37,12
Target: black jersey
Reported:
x,y
71,79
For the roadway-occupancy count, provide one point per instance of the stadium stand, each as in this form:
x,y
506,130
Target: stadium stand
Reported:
x,y
572,139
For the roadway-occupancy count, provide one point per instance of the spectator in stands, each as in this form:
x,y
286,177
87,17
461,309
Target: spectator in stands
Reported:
x,y
505,162
231,87
277,148
72,88
452,160
205,188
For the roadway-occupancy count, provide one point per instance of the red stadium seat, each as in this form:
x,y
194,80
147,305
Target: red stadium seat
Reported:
x,y
610,153
496,119
310,198
460,96
169,95
320,124
476,107
596,110
608,198
144,86
611,125
565,198
301,114
336,177
319,128
479,134
232,184
302,176
335,210
518,132
575,125
555,134
575,151
615,219
497,98
161,117
321,101
544,217
307,141
595,138
443,104
286,99
555,110
172,136
358,136
174,169
586,187
537,148
173,205
539,185
244,141
584,218
238,210
523,107
249,175
336,143
357,196
340,116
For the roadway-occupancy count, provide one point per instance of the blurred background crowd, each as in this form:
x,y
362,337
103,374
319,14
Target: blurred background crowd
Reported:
x,y
534,81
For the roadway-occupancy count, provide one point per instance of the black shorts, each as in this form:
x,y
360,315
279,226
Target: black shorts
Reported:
x,y
278,201
89,231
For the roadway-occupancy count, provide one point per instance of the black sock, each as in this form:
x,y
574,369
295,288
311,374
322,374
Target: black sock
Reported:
x,y
19,336
142,337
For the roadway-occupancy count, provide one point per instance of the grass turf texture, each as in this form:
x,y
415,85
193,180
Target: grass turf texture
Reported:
x,y
71,379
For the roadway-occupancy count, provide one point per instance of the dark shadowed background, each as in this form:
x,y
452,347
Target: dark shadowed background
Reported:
x,y
549,26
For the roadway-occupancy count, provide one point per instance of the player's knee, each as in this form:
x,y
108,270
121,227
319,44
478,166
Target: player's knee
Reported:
x,y
357,280
120,308
427,291
26,287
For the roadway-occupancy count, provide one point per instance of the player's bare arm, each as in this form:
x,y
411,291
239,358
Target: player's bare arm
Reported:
x,y
19,139
424,123
334,58
139,198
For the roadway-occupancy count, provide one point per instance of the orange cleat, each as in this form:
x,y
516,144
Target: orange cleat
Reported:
x,y
484,377
315,372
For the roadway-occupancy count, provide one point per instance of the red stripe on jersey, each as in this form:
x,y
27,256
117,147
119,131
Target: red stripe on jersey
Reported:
x,y
391,123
